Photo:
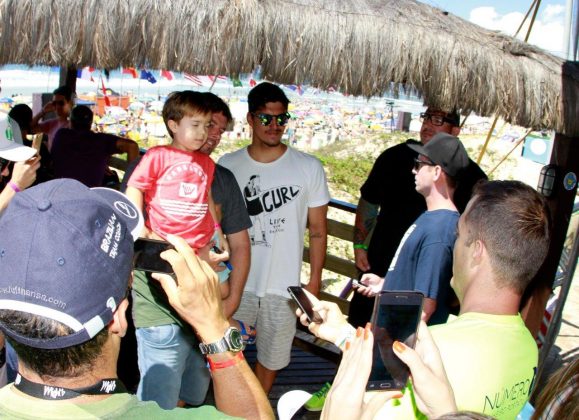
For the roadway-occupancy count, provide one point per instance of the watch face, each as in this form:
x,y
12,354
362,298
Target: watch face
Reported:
x,y
235,340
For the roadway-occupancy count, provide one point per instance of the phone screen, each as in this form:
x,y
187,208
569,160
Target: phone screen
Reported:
x,y
147,256
396,318
304,303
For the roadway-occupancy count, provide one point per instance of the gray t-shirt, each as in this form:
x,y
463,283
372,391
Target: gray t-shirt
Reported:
x,y
226,192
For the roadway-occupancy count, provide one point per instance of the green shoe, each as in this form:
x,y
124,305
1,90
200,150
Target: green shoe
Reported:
x,y
316,402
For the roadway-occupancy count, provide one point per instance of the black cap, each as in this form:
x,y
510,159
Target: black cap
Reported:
x,y
446,151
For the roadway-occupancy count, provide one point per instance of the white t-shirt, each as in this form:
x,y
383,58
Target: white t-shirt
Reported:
x,y
277,195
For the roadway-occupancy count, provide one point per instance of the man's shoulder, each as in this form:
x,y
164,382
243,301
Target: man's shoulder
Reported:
x,y
398,154
233,155
304,158
223,173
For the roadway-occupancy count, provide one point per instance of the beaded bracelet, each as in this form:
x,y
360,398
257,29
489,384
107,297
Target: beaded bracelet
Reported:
x,y
217,226
213,366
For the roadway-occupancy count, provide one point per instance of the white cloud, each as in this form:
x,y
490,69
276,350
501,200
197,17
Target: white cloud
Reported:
x,y
547,32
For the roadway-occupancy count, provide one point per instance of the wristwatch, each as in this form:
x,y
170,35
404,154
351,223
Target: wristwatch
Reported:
x,y
231,341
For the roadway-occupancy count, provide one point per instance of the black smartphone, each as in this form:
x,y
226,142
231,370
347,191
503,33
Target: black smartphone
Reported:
x,y
304,303
396,317
147,256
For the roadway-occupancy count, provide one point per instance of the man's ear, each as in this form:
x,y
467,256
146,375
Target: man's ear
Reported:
x,y
455,131
437,172
118,324
249,118
478,250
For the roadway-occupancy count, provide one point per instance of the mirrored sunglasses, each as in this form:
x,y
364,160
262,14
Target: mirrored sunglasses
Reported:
x,y
266,119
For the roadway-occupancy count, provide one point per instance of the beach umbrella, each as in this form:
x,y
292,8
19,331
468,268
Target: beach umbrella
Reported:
x,y
136,106
156,106
116,112
364,47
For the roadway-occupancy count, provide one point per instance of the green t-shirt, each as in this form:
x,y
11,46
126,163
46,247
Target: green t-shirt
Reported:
x,y
14,405
490,360
150,304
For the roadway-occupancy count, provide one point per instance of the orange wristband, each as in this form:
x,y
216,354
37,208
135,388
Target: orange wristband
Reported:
x,y
213,366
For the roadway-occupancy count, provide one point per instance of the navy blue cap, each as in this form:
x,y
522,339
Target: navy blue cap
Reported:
x,y
66,254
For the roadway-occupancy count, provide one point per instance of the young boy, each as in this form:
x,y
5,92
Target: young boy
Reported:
x,y
172,183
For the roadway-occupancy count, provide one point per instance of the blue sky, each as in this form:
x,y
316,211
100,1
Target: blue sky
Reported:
x,y
506,16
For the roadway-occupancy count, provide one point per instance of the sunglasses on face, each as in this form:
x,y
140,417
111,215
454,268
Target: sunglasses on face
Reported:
x,y
437,120
266,119
58,103
419,163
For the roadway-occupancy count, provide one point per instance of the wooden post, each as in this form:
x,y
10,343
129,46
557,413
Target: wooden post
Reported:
x,y
68,77
566,156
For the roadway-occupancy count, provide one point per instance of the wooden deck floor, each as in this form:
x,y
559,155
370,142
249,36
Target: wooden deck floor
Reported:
x,y
310,368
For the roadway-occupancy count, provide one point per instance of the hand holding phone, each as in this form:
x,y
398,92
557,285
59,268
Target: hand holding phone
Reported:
x,y
304,303
396,317
148,256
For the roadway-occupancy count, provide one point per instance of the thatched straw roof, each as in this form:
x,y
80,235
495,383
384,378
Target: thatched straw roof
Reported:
x,y
360,47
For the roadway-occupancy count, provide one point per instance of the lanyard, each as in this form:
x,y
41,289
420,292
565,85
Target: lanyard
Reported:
x,y
49,392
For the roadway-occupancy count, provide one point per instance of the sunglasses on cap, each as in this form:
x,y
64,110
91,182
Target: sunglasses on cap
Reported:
x,y
437,120
419,163
266,119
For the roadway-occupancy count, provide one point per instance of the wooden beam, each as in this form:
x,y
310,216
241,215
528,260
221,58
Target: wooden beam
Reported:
x,y
68,77
340,230
565,155
336,264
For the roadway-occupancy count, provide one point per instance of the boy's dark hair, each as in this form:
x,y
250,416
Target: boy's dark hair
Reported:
x,y
180,104
263,93
22,114
64,91
67,362
81,117
217,105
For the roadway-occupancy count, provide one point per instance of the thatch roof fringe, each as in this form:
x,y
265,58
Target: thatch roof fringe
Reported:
x,y
365,47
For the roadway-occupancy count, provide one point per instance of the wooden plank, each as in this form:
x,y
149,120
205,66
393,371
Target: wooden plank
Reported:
x,y
340,230
336,264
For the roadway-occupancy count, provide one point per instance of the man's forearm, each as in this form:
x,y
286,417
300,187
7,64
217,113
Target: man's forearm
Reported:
x,y
318,229
238,392
366,215
240,261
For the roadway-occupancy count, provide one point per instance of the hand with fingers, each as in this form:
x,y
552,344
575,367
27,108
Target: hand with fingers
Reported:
x,y
345,399
24,173
333,321
433,393
370,285
195,293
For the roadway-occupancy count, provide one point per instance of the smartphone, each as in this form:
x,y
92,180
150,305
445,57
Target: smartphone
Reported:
x,y
147,256
396,317
304,303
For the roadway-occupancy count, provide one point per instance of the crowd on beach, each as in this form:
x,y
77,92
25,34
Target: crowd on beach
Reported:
x,y
427,221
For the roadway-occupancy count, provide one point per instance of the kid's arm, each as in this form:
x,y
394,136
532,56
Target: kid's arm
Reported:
x,y
223,244
136,196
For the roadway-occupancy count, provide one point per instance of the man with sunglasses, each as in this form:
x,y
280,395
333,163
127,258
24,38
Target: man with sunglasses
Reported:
x,y
61,105
284,190
389,203
423,260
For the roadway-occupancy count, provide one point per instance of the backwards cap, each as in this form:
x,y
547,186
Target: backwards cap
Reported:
x,y
66,254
